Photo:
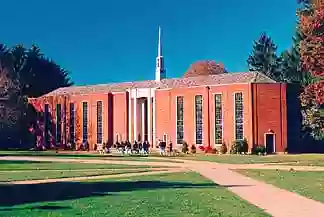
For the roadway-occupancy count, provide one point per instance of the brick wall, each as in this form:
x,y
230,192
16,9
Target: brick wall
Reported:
x,y
228,106
120,116
166,113
163,114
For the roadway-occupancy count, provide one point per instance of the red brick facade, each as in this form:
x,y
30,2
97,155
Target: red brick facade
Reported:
x,y
264,111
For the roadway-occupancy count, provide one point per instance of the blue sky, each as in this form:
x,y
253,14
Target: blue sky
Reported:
x,y
103,41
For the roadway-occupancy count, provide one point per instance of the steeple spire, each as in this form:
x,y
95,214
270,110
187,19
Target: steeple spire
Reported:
x,y
159,45
159,71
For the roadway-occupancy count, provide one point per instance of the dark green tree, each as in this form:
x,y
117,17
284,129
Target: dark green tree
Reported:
x,y
290,65
37,74
264,58
24,73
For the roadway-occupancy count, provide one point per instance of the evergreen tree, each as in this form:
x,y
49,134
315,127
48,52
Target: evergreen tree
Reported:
x,y
263,58
37,74
290,65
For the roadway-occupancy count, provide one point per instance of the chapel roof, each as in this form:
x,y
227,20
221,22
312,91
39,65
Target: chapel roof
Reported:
x,y
203,80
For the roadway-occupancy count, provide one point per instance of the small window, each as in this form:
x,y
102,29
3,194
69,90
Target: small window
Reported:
x,y
85,121
199,119
218,119
239,131
180,119
99,122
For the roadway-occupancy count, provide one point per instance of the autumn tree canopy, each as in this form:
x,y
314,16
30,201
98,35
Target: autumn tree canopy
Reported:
x,y
205,67
312,57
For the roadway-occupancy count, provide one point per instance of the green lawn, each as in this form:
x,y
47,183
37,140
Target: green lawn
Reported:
x,y
178,195
34,165
308,184
302,159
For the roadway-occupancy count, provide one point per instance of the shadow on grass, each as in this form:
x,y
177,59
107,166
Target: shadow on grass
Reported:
x,y
45,192
46,208
18,162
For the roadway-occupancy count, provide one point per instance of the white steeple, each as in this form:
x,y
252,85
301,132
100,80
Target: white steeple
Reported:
x,y
159,71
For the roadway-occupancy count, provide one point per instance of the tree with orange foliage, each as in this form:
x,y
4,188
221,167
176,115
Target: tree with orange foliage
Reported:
x,y
205,67
312,57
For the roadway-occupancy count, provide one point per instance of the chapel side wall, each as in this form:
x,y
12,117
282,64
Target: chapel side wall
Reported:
x,y
271,113
39,106
228,109
166,113
92,100
189,114
65,101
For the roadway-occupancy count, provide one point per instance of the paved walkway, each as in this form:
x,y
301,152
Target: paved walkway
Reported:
x,y
275,201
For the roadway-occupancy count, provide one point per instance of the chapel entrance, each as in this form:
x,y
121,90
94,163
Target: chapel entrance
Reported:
x,y
269,142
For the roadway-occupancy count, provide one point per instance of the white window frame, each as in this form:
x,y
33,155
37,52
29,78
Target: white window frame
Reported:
x,y
242,114
202,114
176,119
102,118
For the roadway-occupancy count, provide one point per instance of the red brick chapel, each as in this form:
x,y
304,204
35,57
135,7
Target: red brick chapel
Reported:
x,y
208,110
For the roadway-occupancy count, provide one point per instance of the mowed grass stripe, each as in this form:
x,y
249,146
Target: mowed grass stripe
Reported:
x,y
34,165
90,155
39,175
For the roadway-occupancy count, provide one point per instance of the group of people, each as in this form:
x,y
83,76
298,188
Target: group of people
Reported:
x,y
129,148
136,148
163,149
